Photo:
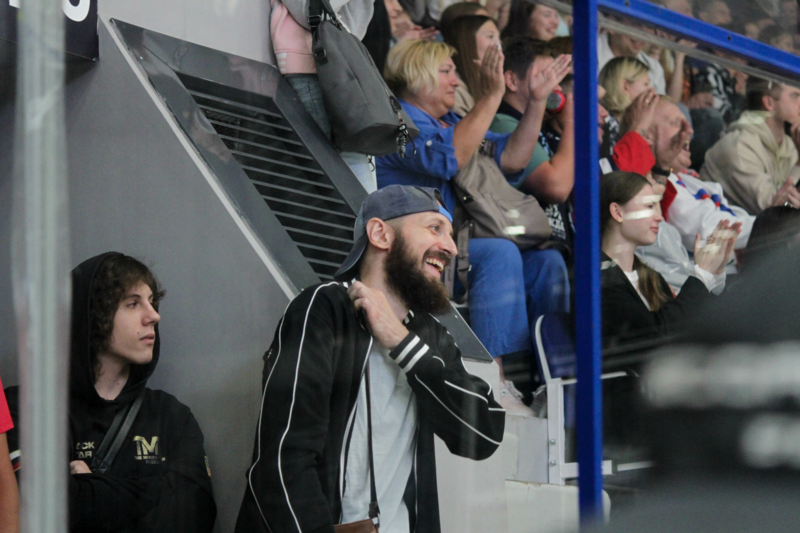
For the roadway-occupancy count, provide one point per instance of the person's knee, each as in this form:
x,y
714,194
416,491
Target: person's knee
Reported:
x,y
496,272
495,256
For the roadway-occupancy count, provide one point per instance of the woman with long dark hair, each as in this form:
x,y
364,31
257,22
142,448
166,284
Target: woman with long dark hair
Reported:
x,y
638,304
471,36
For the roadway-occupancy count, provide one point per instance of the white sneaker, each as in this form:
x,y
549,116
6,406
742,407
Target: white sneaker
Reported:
x,y
511,400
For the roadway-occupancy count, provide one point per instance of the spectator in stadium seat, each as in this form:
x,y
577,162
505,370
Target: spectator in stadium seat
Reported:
x,y
9,492
690,204
372,332
507,290
638,304
727,86
160,480
461,9
389,25
714,12
471,36
756,161
778,37
534,20
548,176
624,79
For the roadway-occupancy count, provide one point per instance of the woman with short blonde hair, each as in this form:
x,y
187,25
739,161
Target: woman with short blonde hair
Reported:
x,y
506,287
412,65
623,78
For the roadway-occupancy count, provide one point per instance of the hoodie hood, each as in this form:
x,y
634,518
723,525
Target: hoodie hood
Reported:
x,y
754,122
82,373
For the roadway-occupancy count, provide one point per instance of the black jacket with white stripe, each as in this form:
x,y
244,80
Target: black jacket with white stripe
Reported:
x,y
312,374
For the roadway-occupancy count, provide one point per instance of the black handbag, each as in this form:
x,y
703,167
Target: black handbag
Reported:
x,y
365,116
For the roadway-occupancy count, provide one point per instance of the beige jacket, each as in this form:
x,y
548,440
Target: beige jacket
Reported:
x,y
749,164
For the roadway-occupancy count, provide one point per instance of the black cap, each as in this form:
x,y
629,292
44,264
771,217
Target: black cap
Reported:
x,y
390,202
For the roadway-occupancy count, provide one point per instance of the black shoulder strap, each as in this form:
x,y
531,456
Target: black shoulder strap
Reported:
x,y
115,435
316,10
374,510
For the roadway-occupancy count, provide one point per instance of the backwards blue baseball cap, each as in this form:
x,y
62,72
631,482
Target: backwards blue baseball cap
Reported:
x,y
390,202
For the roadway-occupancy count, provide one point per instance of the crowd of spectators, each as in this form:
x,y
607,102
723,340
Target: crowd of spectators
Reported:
x,y
692,152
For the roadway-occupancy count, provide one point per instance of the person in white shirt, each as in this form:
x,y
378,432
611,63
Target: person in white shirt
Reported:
x,y
689,206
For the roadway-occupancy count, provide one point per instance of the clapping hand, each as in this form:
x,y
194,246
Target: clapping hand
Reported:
x,y
544,82
492,80
788,193
718,248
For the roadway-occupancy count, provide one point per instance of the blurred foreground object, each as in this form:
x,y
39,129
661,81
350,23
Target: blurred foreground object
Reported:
x,y
724,415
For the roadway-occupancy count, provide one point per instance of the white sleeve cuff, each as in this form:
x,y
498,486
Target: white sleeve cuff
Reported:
x,y
715,283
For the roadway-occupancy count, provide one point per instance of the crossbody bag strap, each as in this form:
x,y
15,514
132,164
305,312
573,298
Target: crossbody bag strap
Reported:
x,y
115,435
374,510
317,9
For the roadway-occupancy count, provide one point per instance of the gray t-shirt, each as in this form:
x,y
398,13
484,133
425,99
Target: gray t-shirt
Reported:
x,y
394,429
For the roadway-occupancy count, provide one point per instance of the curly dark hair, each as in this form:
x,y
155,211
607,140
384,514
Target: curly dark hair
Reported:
x,y
115,277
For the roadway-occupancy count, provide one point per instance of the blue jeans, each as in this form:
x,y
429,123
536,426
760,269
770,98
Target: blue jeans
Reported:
x,y
309,93
509,290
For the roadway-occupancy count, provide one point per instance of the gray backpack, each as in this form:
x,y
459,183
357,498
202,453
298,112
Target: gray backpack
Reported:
x,y
365,116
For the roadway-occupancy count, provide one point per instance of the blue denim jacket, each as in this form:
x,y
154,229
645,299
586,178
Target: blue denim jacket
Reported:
x,y
434,163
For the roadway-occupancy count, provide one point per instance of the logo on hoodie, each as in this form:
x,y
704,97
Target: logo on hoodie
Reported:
x,y
84,450
147,451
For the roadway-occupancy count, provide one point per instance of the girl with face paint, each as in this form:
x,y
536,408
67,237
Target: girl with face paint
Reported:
x,y
638,304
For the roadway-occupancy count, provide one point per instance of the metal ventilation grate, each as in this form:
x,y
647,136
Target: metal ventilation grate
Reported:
x,y
283,170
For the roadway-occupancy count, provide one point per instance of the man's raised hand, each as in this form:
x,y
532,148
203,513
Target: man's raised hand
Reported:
x,y
639,115
544,82
383,323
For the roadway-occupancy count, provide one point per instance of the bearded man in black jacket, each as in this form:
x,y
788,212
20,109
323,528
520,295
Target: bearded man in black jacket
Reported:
x,y
158,479
314,442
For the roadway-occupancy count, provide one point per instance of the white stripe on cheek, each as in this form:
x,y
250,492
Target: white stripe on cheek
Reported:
x,y
636,215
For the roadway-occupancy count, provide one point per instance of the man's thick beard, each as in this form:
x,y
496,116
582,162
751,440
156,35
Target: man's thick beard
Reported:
x,y
404,277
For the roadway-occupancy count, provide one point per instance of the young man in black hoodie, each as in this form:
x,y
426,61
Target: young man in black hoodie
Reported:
x,y
311,459
158,480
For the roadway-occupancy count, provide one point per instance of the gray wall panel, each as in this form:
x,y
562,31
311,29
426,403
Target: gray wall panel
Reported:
x,y
135,189
8,333
239,27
